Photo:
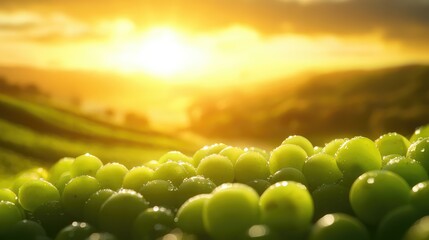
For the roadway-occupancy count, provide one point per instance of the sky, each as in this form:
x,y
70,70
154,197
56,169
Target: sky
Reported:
x,y
213,41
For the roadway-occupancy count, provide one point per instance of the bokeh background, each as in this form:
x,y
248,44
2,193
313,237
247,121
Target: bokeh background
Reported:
x,y
130,80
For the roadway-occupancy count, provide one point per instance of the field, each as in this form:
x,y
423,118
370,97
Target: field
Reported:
x,y
35,132
39,134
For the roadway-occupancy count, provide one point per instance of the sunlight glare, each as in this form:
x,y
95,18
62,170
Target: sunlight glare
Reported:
x,y
161,52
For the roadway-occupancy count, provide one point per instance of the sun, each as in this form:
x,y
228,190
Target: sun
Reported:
x,y
161,52
164,52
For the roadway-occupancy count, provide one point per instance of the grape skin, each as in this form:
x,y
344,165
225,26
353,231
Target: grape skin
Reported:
x,y
189,217
220,164
119,211
76,193
217,168
137,177
339,226
10,215
35,193
376,193
286,205
287,155
357,156
300,141
111,175
86,164
250,166
230,211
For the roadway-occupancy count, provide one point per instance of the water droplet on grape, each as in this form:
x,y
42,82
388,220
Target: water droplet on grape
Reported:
x,y
257,231
327,220
417,187
170,237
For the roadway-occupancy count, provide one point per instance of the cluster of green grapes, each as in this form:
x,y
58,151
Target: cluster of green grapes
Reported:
x,y
354,189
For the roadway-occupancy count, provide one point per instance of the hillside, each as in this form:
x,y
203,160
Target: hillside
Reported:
x,y
323,107
34,134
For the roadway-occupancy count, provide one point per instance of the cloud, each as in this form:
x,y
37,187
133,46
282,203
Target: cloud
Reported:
x,y
403,21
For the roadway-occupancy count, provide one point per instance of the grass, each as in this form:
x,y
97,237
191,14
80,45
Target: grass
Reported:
x,y
34,134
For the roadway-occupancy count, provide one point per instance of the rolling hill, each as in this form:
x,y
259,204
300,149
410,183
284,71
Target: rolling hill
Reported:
x,y
322,107
35,134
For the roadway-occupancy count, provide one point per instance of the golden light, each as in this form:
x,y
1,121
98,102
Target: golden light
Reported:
x,y
160,52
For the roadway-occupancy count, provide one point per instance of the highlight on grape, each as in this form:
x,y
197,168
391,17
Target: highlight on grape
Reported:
x,y
354,189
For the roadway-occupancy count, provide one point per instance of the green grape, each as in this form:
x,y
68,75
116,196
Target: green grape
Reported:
x,y
38,171
261,151
339,226
111,175
420,197
409,169
261,232
52,217
189,217
26,229
332,147
9,216
171,171
190,169
357,156
331,198
194,186
421,132
75,231
392,143
217,168
419,230
152,164
62,181
206,151
286,206
317,149
37,192
419,151
178,234
160,193
86,164
8,195
321,169
288,174
232,153
136,177
287,155
230,211
175,156
101,236
376,193
396,223
259,185
92,206
76,192
119,211
386,159
250,166
63,165
153,223
301,141
23,178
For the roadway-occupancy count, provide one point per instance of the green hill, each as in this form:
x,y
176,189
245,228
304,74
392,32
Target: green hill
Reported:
x,y
34,134
322,107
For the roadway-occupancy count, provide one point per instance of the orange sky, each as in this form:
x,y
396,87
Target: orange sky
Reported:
x,y
213,41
